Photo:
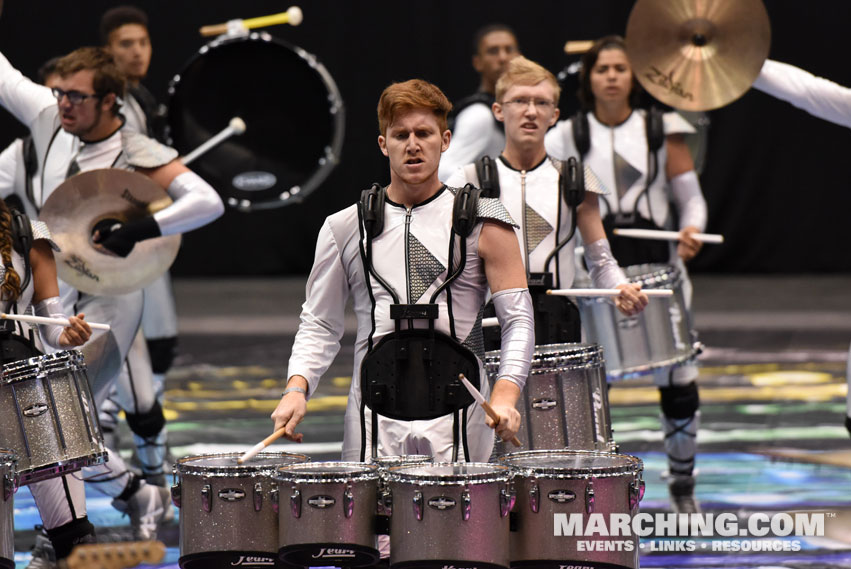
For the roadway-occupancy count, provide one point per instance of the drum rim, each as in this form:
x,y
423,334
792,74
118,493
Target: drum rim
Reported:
x,y
182,465
336,107
94,459
635,465
498,473
589,354
361,472
24,369
401,460
644,369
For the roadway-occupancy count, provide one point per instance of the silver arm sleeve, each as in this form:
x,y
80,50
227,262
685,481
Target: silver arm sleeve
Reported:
x,y
691,206
50,308
516,317
196,203
604,269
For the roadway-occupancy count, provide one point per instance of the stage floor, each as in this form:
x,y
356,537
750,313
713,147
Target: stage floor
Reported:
x,y
772,388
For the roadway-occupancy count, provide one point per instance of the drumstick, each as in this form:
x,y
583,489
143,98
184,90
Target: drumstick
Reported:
x,y
606,292
235,126
293,16
578,46
45,320
485,405
667,235
261,445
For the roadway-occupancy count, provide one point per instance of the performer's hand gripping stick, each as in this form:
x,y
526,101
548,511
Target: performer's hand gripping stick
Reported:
x,y
480,399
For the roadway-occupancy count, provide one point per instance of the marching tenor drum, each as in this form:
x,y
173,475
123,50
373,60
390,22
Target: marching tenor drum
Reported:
x,y
228,511
7,510
558,492
328,513
291,107
51,421
659,338
449,514
565,402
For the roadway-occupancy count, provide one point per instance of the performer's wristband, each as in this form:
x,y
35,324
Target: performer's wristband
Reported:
x,y
301,390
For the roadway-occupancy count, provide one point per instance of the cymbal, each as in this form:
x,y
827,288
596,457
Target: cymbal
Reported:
x,y
697,55
80,203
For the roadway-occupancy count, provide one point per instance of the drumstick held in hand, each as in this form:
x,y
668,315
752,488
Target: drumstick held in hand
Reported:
x,y
660,235
44,320
261,445
485,405
606,292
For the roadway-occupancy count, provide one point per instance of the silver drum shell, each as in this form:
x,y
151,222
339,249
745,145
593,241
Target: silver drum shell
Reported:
x,y
7,508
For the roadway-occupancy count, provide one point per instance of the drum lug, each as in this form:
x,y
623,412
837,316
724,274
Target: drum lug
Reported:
x,y
534,496
207,497
348,501
295,502
273,497
636,493
589,496
258,496
175,494
466,504
10,485
418,504
506,500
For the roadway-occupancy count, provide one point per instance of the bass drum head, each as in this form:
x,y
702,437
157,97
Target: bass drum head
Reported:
x,y
291,107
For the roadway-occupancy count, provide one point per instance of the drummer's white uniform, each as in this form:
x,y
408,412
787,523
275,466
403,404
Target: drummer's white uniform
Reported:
x,y
475,134
618,156
420,234
818,96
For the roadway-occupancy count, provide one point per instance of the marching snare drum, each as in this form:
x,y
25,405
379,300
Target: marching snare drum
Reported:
x,y
291,107
657,339
51,418
329,517
565,403
558,492
449,514
228,511
7,510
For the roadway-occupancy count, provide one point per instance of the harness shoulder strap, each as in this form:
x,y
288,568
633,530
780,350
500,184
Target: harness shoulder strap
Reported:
x,y
655,129
488,175
581,133
372,208
464,210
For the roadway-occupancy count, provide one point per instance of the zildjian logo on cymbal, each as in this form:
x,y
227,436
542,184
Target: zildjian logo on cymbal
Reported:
x,y
79,265
667,82
133,199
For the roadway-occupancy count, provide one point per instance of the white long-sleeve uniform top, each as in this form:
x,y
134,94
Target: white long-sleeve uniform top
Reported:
x,y
410,254
476,134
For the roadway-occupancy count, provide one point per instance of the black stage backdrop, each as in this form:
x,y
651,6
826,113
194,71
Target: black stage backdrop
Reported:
x,y
776,179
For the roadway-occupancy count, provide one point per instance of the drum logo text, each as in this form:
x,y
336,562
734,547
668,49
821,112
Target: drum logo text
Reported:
x,y
334,553
321,502
254,181
35,410
441,503
243,560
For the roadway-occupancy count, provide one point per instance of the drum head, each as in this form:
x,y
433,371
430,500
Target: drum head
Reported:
x,y
330,472
225,463
573,463
450,473
291,107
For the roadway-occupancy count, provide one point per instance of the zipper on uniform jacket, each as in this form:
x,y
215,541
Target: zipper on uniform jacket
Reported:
x,y
408,211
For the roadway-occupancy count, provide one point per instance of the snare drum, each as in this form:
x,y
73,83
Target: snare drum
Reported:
x,y
449,514
281,92
329,518
7,510
228,511
558,492
657,339
565,403
51,418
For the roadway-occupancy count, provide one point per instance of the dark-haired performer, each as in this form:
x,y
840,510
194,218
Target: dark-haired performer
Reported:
x,y
77,127
406,254
821,98
475,133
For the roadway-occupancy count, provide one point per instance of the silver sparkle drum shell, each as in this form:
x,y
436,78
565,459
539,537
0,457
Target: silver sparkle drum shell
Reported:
x,y
565,403
658,338
229,511
327,514
449,514
7,509
564,483
51,421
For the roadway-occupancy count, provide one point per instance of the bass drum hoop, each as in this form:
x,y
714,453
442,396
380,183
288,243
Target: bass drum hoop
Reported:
x,y
332,151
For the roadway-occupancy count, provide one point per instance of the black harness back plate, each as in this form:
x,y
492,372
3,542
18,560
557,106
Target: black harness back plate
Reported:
x,y
412,375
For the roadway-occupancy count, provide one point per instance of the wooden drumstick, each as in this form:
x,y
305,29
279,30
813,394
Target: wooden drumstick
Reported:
x,y
45,320
666,235
235,126
293,16
485,405
606,292
261,445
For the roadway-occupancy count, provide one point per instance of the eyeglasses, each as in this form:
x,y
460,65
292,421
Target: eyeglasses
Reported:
x,y
524,102
74,97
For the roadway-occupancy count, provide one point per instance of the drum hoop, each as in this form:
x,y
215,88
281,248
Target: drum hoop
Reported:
x,y
498,473
92,459
639,370
184,466
8,457
654,275
635,466
386,462
39,365
362,472
337,109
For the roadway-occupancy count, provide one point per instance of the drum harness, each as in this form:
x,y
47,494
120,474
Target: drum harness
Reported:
x,y
556,317
14,346
412,374
631,251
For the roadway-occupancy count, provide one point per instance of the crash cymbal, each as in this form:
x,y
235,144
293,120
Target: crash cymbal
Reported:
x,y
697,55
105,196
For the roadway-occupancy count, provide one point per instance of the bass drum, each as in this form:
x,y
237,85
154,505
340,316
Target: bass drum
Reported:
x,y
292,109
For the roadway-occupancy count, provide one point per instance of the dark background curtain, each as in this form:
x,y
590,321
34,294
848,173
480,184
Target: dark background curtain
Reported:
x,y
776,179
